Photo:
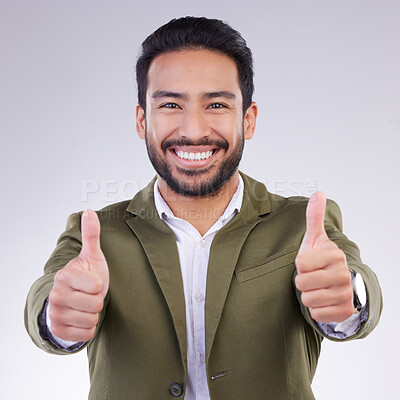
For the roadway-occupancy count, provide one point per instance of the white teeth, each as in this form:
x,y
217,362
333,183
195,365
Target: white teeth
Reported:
x,y
194,156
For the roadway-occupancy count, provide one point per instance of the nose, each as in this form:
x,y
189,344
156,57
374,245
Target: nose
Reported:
x,y
194,124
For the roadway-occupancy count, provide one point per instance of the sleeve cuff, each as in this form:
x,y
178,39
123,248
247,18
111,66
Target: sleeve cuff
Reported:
x,y
45,333
351,325
347,328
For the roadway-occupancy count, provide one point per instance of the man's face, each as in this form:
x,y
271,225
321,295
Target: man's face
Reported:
x,y
194,126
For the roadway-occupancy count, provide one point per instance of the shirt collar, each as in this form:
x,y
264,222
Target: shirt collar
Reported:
x,y
234,205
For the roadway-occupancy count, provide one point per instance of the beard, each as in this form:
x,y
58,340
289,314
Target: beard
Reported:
x,y
199,185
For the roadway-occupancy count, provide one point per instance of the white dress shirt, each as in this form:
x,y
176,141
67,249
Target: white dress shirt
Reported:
x,y
194,251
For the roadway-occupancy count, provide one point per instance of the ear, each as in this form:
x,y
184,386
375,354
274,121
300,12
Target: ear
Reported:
x,y
250,121
140,122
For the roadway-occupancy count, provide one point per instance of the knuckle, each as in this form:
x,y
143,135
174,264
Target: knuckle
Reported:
x,y
299,258
348,310
299,261
298,280
97,284
306,299
58,330
89,333
55,298
60,277
98,304
63,275
344,277
348,296
314,314
90,320
94,319
345,312
339,255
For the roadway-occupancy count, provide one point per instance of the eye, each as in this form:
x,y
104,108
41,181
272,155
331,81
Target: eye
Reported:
x,y
169,105
217,105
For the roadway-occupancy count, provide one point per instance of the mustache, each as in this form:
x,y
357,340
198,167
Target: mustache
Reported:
x,y
206,141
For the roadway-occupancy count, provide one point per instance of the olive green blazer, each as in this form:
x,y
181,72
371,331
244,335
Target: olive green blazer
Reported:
x,y
261,343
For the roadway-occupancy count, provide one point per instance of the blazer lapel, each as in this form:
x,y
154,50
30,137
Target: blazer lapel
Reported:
x,y
225,251
159,244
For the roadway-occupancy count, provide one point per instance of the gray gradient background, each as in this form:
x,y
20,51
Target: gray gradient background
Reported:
x,y
327,83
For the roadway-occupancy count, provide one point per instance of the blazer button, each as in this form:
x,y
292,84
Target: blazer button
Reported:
x,y
175,389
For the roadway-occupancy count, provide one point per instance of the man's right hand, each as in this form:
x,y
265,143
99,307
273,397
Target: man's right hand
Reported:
x,y
80,287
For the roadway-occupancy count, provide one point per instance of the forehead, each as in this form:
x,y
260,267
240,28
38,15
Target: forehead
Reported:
x,y
193,71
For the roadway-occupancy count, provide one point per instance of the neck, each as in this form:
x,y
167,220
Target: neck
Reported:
x,y
202,212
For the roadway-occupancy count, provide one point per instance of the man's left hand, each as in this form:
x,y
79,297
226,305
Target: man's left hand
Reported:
x,y
322,273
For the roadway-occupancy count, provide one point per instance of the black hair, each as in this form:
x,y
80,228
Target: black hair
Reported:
x,y
189,33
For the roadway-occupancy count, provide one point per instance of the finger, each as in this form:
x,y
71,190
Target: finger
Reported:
x,y
79,278
327,297
74,318
86,302
73,334
337,313
90,226
315,259
77,300
314,220
319,279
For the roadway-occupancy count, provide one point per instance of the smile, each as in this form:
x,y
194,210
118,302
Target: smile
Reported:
x,y
184,155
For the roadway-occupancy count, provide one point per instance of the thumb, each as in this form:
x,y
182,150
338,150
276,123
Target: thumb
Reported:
x,y
90,226
315,213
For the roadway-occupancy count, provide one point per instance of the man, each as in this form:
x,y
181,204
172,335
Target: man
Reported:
x,y
204,286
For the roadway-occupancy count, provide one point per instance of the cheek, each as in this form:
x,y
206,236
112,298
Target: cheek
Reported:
x,y
161,127
229,128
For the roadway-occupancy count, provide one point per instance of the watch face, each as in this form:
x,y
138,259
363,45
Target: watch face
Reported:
x,y
359,288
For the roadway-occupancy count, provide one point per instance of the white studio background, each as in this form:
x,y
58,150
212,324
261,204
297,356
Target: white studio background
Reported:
x,y
328,90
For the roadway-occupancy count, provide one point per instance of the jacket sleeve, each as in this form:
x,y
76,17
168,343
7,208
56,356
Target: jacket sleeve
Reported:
x,y
333,227
68,247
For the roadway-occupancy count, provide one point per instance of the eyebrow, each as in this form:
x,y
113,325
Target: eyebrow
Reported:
x,y
221,93
166,93
205,95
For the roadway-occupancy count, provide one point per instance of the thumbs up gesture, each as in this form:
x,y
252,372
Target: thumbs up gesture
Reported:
x,y
322,273
80,287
